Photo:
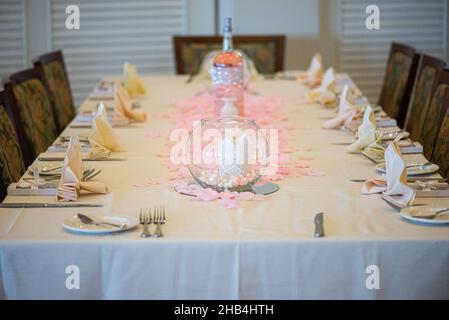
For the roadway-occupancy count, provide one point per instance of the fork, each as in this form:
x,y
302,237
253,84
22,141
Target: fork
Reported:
x,y
145,219
91,175
158,220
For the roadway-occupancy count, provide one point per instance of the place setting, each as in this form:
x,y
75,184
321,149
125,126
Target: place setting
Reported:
x,y
99,224
151,219
102,144
121,112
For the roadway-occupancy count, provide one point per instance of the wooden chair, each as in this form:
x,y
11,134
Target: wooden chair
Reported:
x,y
437,109
398,81
267,52
440,154
11,160
52,68
32,113
428,73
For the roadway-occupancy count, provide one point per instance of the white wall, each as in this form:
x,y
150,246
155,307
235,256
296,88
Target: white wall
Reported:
x,y
37,26
201,19
299,20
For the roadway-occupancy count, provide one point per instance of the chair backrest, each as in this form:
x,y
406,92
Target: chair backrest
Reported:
x,y
266,51
437,109
398,82
52,68
11,160
440,154
428,72
32,112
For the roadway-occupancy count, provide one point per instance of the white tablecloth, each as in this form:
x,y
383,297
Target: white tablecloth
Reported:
x,y
265,250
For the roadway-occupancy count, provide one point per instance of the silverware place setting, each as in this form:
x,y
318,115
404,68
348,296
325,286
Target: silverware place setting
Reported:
x,y
49,205
158,219
319,228
412,179
88,175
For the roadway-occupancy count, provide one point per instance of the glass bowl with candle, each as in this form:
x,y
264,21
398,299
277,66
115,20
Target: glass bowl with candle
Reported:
x,y
227,153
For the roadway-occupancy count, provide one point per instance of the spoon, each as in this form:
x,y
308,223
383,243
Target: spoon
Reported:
x,y
392,134
422,165
45,170
87,220
400,136
431,216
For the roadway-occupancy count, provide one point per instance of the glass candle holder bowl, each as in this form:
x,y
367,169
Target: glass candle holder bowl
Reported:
x,y
225,153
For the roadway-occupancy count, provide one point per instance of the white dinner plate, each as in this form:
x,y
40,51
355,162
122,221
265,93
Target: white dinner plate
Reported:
x,y
412,213
74,224
413,171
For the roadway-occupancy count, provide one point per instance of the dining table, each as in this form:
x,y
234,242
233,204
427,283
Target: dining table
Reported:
x,y
264,249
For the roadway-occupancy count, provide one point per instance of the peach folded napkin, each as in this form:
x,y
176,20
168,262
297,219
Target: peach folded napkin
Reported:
x,y
314,73
346,110
71,182
394,187
367,132
103,140
326,92
123,105
133,84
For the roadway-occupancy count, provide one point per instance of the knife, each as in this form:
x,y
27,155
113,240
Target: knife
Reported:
x,y
84,159
80,126
341,143
414,179
48,205
319,230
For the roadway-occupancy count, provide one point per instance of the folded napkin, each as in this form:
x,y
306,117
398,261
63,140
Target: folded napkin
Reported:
x,y
71,182
346,110
367,132
394,187
314,73
123,105
103,140
133,84
326,92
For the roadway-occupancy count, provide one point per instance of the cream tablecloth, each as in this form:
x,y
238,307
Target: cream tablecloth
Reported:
x,y
265,250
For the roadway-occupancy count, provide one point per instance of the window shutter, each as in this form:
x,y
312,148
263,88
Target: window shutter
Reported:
x,y
12,37
113,32
363,53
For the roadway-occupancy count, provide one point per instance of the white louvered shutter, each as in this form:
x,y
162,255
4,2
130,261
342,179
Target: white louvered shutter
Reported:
x,y
12,39
113,32
363,53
